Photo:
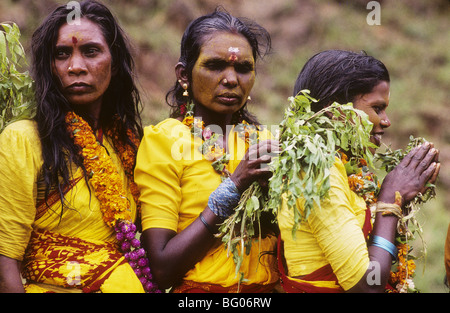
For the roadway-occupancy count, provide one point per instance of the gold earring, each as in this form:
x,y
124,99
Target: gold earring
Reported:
x,y
185,93
249,98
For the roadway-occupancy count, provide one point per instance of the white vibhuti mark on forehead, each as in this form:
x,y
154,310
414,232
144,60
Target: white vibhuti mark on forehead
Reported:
x,y
233,56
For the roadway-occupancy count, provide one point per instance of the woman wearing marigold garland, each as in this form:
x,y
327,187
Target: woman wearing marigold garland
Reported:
x,y
183,160
329,253
67,176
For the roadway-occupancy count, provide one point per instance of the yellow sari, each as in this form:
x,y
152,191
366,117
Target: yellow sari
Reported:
x,y
175,181
62,248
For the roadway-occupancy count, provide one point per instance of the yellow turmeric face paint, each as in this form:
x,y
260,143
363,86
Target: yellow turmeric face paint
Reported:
x,y
224,73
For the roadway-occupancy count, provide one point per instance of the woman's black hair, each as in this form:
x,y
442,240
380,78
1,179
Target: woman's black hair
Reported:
x,y
340,76
121,99
193,39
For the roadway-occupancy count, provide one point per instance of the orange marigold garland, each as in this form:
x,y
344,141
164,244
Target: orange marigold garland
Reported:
x,y
360,179
109,190
401,278
403,271
127,155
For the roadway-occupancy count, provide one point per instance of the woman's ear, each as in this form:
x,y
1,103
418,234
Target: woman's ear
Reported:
x,y
180,72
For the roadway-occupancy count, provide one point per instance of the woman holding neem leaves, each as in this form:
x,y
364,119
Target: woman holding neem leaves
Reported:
x,y
328,252
187,163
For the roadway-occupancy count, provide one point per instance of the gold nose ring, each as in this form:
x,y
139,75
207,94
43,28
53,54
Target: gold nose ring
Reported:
x,y
225,81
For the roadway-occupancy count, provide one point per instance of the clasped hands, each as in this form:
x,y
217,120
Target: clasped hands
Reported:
x,y
412,175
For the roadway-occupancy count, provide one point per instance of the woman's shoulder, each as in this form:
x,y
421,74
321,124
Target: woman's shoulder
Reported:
x,y
21,139
25,124
164,134
26,129
164,127
339,167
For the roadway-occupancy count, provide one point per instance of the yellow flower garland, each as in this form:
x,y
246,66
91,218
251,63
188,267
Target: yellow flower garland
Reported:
x,y
103,175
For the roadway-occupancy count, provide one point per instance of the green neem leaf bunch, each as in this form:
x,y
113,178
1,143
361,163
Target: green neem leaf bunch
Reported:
x,y
16,87
309,141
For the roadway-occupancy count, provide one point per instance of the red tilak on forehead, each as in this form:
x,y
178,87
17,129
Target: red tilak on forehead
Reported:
x,y
74,40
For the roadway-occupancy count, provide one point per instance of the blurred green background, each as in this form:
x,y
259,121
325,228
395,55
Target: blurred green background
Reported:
x,y
413,40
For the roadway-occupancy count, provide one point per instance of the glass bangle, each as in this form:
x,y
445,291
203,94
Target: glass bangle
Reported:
x,y
386,245
206,224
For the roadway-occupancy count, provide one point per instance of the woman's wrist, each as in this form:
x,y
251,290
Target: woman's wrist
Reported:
x,y
388,213
390,196
224,199
212,230
384,244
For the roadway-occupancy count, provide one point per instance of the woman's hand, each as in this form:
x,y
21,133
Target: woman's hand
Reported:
x,y
417,169
10,280
254,165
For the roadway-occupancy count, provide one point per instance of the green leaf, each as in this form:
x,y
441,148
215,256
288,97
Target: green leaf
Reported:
x,y
2,47
16,88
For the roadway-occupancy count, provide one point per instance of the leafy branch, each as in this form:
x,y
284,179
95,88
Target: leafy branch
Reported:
x,y
16,87
308,143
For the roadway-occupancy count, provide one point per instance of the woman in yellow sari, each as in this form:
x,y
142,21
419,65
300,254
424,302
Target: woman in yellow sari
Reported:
x,y
329,252
192,168
68,198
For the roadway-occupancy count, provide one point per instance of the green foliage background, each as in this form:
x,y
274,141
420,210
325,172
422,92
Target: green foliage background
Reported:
x,y
413,41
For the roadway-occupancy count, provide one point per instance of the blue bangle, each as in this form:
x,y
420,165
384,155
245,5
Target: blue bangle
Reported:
x,y
386,245
224,199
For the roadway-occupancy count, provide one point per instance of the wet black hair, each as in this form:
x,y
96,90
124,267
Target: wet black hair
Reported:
x,y
121,99
340,76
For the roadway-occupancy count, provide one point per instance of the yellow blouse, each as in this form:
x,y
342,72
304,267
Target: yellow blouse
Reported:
x,y
22,188
331,235
175,181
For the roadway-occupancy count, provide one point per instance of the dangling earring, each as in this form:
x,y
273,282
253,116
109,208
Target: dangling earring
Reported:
x,y
185,93
185,87
249,98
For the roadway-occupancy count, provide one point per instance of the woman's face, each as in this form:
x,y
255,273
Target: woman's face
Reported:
x,y
224,73
82,64
374,104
